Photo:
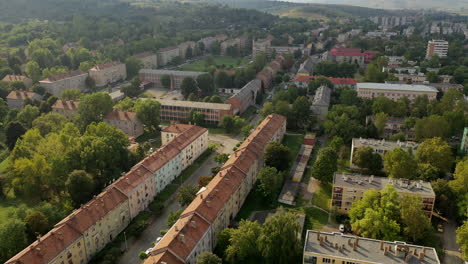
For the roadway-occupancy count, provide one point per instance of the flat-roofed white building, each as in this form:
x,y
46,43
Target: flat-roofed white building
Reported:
x,y
395,91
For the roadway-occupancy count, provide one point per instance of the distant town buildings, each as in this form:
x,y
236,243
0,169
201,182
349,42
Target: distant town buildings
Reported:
x,y
321,102
177,110
303,81
153,77
67,108
17,99
386,22
395,91
104,74
148,59
437,47
307,67
9,78
58,83
464,142
381,34
215,206
324,247
348,188
125,121
87,230
350,55
381,146
264,45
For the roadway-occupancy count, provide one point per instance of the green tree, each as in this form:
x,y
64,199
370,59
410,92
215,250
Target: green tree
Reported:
x,y
203,181
166,81
348,96
36,224
232,124
71,94
462,239
277,156
444,196
93,107
197,118
380,121
12,238
460,182
383,104
188,87
400,164
300,110
221,158
365,158
186,194
325,165
432,77
243,243
80,186
432,126
173,217
148,113
51,122
270,182
125,104
416,223
27,115
223,80
206,84
33,70
245,131
133,66
279,240
437,152
208,258
13,131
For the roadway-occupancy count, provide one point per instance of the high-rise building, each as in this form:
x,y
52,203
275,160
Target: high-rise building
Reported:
x,y
439,47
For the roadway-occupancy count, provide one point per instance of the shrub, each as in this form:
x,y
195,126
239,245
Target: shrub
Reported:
x,y
142,255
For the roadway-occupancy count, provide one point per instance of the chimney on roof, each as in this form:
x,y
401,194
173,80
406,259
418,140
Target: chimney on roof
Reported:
x,y
415,252
354,246
381,245
408,257
326,238
421,255
321,241
194,223
182,238
385,251
356,241
208,203
349,242
318,235
176,228
424,250
39,238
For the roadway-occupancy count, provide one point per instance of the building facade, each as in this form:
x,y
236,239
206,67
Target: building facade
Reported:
x,y
348,188
303,81
395,91
66,108
321,102
437,47
18,78
58,83
17,99
176,77
104,74
128,122
245,97
166,55
217,204
148,59
176,110
338,248
86,231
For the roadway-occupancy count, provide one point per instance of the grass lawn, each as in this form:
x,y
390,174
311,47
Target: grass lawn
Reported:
x,y
217,130
253,202
3,165
315,218
294,143
322,196
218,61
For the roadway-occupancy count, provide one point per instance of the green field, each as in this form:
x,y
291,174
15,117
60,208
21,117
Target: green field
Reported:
x,y
294,143
217,61
315,218
322,196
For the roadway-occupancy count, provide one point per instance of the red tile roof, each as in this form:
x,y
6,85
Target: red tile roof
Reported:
x,y
13,78
132,179
121,115
21,95
177,128
106,65
336,81
66,105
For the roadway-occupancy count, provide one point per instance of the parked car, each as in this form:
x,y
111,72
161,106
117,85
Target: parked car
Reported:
x,y
158,239
341,228
148,251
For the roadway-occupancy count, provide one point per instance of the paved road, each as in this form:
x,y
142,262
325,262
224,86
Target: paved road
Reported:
x,y
135,246
452,253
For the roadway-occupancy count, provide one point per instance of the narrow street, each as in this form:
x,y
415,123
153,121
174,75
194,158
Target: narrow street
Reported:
x,y
143,242
449,243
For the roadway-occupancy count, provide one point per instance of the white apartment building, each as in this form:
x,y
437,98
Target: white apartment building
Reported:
x,y
439,47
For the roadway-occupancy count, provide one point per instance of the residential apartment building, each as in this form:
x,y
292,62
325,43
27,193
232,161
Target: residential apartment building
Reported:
x,y
303,81
381,146
86,231
354,56
235,42
437,47
17,99
394,125
176,110
348,188
177,77
245,97
217,204
269,72
148,59
58,83
184,47
67,108
170,132
104,74
166,55
264,45
464,142
18,78
323,247
321,102
395,91
128,122
306,68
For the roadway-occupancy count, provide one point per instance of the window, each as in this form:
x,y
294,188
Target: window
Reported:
x,y
326,260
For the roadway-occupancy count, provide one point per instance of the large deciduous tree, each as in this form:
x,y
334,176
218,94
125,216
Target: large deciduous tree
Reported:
x,y
462,239
188,86
148,113
206,84
208,258
365,158
243,243
325,165
186,194
270,181
80,186
400,163
437,152
416,223
277,156
12,238
93,107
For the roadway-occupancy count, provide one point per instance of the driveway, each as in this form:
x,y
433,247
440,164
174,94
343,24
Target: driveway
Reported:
x,y
452,253
158,223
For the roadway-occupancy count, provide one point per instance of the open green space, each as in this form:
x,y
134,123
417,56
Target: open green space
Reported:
x,y
315,218
322,196
253,202
217,61
294,143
